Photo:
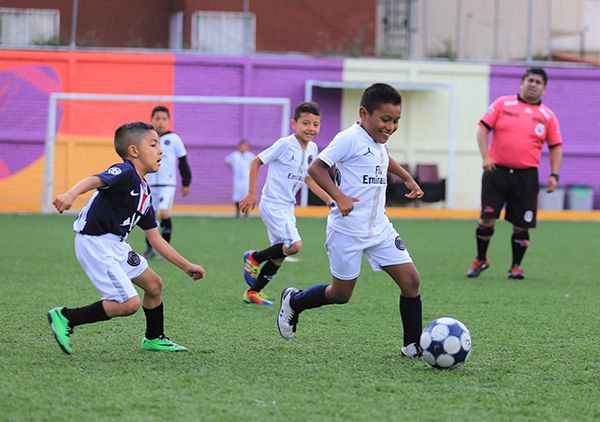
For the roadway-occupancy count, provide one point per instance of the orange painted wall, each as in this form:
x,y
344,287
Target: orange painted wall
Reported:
x,y
84,139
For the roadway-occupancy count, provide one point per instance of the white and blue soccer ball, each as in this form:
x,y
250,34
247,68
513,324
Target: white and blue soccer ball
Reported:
x,y
446,343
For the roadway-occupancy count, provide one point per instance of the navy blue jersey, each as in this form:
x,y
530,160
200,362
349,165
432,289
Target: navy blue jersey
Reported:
x,y
119,205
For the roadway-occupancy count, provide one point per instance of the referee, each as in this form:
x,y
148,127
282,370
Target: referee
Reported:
x,y
520,124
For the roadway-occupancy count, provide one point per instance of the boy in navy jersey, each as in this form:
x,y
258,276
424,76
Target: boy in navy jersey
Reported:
x,y
164,181
121,201
288,159
358,226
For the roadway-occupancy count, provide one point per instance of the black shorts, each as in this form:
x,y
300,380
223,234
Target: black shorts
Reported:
x,y
517,188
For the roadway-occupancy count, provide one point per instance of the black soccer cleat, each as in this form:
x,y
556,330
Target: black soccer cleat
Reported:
x,y
477,267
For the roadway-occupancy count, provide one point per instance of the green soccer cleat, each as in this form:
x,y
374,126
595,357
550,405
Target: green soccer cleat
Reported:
x,y
258,298
61,328
162,343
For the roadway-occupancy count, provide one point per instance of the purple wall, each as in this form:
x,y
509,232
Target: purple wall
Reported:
x,y
210,132
573,95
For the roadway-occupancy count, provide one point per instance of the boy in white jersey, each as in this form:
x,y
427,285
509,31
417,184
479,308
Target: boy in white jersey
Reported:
x,y
121,201
358,225
164,181
239,162
288,160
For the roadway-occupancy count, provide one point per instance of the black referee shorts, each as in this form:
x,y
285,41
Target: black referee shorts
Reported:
x,y
517,189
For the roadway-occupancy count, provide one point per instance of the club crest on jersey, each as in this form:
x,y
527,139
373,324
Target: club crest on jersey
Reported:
x,y
115,171
310,159
167,142
399,243
133,259
539,129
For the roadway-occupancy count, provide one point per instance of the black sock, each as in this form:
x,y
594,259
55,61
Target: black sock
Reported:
x,y
519,242
412,318
266,274
237,209
165,229
313,297
86,314
155,319
484,235
272,252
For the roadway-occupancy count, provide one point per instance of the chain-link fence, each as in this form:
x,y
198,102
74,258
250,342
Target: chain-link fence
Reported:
x,y
489,29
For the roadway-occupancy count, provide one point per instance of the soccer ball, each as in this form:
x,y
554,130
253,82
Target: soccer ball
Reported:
x,y
446,343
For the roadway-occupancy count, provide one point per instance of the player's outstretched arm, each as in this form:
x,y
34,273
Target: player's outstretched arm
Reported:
x,y
409,182
248,202
64,201
155,239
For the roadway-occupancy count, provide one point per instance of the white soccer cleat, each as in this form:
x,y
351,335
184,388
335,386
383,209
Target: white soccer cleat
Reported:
x,y
287,318
413,350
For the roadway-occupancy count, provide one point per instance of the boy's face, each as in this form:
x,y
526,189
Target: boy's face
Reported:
x,y
382,122
161,121
307,127
147,154
243,147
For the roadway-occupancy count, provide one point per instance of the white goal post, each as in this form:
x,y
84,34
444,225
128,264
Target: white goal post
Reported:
x,y
51,125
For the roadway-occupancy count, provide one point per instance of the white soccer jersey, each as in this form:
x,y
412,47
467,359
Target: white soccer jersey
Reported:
x,y
288,167
362,166
173,149
240,166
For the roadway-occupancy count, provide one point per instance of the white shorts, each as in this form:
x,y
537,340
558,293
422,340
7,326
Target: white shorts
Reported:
x,y
110,264
163,197
240,189
346,252
280,222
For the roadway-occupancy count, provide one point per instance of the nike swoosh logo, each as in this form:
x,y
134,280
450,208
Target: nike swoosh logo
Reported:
x,y
133,193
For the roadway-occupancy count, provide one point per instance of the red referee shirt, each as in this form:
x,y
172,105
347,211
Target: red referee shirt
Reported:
x,y
519,130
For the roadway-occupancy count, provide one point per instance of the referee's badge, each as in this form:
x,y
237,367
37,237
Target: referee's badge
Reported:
x,y
399,243
539,129
133,259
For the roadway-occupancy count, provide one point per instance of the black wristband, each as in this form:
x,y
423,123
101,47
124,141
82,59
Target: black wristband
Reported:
x,y
556,176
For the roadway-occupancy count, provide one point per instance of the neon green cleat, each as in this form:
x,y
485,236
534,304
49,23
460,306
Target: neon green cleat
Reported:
x,y
162,343
61,328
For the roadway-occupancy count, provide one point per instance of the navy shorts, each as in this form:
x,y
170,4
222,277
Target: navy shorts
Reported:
x,y
517,189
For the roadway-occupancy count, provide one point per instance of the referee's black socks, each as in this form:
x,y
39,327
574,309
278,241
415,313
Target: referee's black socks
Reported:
x,y
484,235
519,243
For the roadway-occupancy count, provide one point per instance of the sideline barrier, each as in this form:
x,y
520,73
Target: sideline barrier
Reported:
x,y
394,212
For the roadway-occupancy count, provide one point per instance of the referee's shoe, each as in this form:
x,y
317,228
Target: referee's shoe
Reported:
x,y
477,266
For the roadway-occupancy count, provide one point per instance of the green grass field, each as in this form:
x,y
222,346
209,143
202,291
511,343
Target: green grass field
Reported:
x,y
536,343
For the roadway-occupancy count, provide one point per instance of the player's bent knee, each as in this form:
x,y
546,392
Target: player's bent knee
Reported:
x,y
130,307
293,249
155,286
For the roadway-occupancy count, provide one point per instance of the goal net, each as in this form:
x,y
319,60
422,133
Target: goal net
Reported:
x,y
80,130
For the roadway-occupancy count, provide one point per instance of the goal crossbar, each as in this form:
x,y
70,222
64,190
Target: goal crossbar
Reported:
x,y
47,189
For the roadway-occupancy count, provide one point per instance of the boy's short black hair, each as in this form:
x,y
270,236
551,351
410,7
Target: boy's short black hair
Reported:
x,y
307,107
378,94
536,71
130,134
160,108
